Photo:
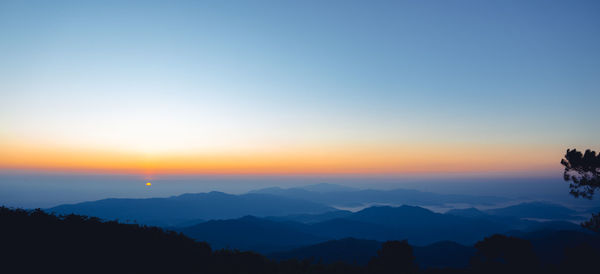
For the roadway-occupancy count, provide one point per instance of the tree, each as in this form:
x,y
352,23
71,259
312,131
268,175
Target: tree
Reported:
x,y
394,257
583,171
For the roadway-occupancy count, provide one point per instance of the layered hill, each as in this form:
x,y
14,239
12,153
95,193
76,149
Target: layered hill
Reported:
x,y
418,225
176,210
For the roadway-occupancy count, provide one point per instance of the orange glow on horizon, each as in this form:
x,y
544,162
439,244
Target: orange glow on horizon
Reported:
x,y
359,159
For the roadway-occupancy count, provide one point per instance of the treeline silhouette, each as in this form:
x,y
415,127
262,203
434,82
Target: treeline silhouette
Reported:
x,y
583,171
38,242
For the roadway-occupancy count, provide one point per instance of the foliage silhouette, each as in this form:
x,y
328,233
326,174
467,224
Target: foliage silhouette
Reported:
x,y
583,171
393,257
39,242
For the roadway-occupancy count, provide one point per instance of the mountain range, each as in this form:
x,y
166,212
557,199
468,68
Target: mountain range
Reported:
x,y
340,196
187,208
418,225
271,220
527,210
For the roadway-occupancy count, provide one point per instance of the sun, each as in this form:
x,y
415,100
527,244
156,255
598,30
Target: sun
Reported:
x,y
148,183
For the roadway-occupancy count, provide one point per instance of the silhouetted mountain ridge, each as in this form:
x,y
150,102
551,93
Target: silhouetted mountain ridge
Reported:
x,y
187,207
525,210
540,210
381,223
356,197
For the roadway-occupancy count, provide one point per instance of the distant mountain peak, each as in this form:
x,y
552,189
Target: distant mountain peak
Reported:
x,y
327,187
196,195
535,209
307,189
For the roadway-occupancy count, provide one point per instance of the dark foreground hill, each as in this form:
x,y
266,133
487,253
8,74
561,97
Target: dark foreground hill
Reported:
x,y
356,251
549,247
349,250
37,242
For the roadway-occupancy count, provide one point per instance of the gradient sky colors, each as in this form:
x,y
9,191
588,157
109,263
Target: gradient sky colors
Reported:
x,y
297,87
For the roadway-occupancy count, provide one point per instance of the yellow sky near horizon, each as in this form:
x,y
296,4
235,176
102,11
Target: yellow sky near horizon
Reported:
x,y
308,159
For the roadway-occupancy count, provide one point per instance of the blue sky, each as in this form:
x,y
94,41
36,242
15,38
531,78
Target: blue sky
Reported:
x,y
177,77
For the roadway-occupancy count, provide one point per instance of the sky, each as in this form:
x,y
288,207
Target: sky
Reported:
x,y
297,87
